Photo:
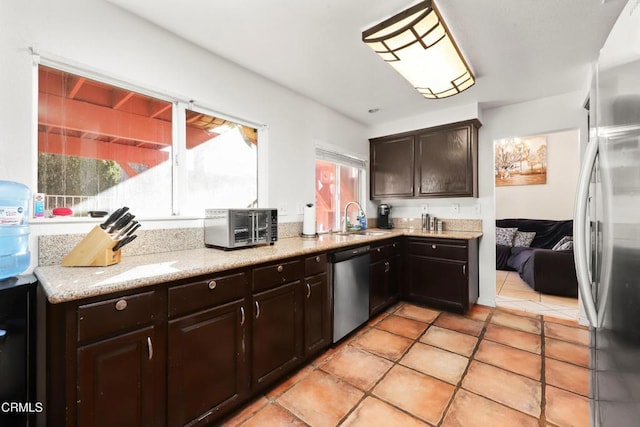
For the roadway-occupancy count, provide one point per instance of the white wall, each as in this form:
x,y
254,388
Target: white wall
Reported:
x,y
553,200
99,37
547,115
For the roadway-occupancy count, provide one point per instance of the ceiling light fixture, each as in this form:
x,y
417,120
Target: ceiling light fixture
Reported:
x,y
418,44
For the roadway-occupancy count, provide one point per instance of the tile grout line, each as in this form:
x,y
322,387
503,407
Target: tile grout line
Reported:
x,y
369,393
458,386
471,358
543,375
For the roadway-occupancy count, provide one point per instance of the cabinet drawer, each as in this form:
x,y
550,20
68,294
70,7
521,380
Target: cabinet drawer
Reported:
x,y
207,293
117,314
315,265
386,250
440,248
277,274
379,252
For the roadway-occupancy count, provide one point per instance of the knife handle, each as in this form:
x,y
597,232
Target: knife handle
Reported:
x,y
114,215
125,231
124,241
130,231
121,222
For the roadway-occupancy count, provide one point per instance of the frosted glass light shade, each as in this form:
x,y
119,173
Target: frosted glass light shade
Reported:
x,y
417,43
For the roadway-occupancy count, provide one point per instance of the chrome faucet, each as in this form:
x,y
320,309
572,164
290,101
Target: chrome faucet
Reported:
x,y
346,208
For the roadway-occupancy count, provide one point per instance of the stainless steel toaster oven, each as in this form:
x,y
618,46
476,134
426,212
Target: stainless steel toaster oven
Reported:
x,y
237,228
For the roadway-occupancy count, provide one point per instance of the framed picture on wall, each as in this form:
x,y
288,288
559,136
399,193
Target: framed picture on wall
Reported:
x,y
521,161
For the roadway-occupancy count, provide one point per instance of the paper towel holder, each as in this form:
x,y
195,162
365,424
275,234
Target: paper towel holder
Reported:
x,y
309,221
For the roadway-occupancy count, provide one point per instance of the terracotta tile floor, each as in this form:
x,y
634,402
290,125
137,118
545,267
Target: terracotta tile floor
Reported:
x,y
413,366
512,292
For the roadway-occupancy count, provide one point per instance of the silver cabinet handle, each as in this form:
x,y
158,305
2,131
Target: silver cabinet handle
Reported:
x,y
280,268
150,348
212,284
254,228
386,267
433,246
308,291
579,232
121,304
242,316
379,250
464,270
317,258
257,310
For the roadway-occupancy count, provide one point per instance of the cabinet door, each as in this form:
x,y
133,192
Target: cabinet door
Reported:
x,y
446,163
438,282
378,283
317,325
394,277
120,381
208,369
277,333
392,167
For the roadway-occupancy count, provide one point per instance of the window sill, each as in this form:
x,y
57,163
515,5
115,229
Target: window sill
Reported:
x,y
87,220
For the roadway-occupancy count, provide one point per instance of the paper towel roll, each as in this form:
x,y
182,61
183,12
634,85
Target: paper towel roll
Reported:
x,y
309,220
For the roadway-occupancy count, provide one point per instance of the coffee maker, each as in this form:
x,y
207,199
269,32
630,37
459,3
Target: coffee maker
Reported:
x,y
384,216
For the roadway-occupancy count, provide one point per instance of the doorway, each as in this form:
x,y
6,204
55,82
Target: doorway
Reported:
x,y
535,178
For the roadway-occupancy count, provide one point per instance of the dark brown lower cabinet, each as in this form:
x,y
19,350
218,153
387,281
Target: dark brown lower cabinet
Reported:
x,y
395,276
191,351
277,333
442,273
317,309
121,380
384,273
207,364
113,371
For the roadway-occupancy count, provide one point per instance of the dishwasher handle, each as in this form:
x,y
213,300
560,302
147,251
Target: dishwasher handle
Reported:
x,y
349,253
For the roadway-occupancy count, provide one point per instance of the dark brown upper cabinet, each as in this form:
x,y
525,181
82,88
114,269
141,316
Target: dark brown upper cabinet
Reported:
x,y
392,167
441,161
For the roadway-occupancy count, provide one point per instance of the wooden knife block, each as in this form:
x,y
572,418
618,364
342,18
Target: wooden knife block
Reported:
x,y
94,250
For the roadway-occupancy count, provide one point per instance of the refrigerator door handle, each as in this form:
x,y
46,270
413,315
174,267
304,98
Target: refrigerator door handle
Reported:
x,y
580,232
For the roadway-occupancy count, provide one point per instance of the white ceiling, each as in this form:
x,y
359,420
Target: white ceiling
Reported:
x,y
518,49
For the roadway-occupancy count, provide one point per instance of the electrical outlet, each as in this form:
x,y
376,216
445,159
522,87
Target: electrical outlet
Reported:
x,y
283,210
455,208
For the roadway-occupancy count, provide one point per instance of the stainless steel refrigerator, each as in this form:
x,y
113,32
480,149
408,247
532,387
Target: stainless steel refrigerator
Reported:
x,y
607,228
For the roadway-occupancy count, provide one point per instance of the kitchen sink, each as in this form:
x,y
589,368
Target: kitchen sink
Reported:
x,y
371,233
361,233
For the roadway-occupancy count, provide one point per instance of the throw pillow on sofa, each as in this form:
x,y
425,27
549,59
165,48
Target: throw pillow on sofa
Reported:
x,y
504,236
564,244
523,238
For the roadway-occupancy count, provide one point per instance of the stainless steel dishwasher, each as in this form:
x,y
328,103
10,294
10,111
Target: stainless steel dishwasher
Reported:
x,y
350,290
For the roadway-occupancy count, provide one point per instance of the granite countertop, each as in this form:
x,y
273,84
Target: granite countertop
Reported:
x,y
64,284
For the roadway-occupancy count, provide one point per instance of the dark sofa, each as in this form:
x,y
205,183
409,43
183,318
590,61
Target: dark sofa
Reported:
x,y
545,270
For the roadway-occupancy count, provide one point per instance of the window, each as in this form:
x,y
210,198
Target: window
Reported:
x,y
101,146
339,180
222,164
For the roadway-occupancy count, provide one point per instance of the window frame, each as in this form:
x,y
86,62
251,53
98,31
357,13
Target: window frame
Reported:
x,y
179,105
340,159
